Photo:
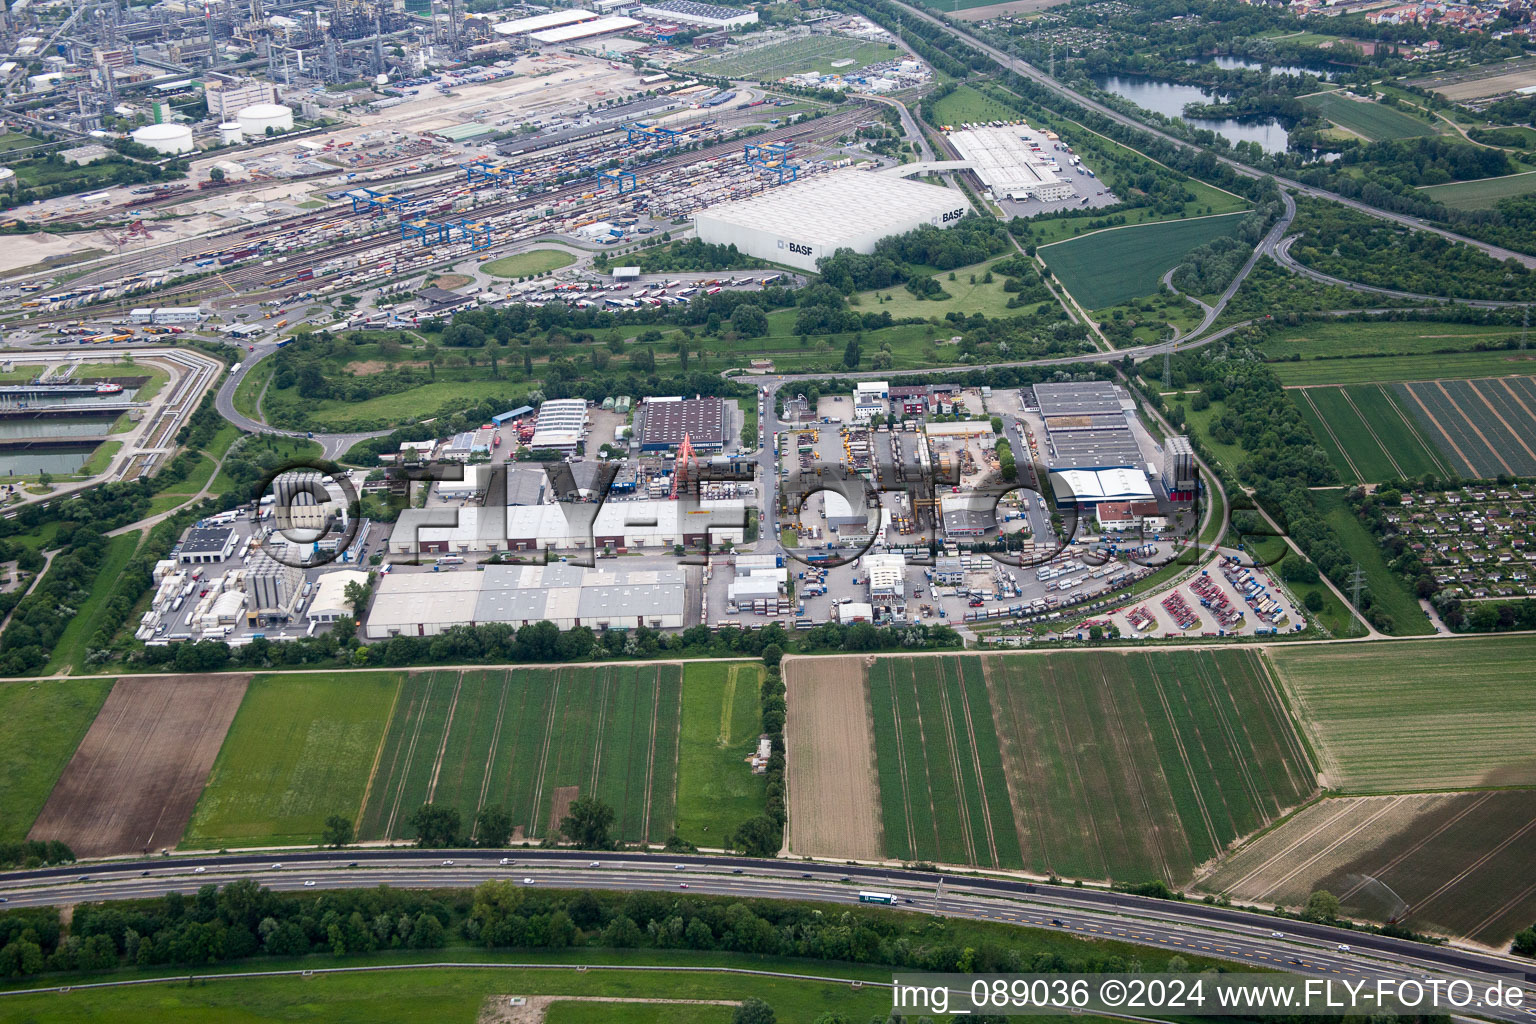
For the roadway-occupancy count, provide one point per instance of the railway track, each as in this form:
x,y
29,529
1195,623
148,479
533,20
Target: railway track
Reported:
x,y
246,280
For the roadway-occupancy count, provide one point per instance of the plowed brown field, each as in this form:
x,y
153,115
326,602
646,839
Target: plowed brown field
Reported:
x,y
132,784
834,797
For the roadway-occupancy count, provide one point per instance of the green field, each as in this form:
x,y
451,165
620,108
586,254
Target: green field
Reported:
x,y
1482,194
300,749
967,105
1143,765
248,391
794,56
1367,434
722,719
1421,367
534,261
41,724
1386,588
1367,118
510,739
1439,715
1483,427
1332,340
457,996
943,795
1119,264
1128,767
574,1012
70,651
965,297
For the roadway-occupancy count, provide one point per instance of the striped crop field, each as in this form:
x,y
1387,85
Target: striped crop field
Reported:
x,y
530,741
1143,765
1423,715
1123,766
1483,427
1367,434
943,795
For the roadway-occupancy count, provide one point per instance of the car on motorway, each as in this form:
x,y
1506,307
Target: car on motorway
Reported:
x,y
1343,947
682,885
5,899
199,870
679,867
1057,922
447,863
594,863
527,881
277,867
1277,935
505,861
309,883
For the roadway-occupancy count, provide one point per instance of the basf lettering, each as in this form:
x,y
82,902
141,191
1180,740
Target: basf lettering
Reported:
x,y
798,249
954,215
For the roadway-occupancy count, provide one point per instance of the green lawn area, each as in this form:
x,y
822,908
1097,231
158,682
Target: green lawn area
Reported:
x,y
249,389
1440,715
1482,194
1208,201
41,724
1387,591
101,458
535,261
280,446
1368,118
404,405
1119,264
70,652
966,104
1410,367
301,748
966,297
1340,339
716,790
1369,436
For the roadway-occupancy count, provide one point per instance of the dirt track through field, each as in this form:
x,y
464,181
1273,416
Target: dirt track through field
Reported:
x,y
133,783
834,794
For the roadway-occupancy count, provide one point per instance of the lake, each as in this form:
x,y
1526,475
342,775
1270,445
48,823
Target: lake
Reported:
x,y
1169,98
1235,63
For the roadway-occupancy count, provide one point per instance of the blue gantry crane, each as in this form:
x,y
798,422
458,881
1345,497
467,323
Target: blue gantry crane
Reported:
x,y
368,199
620,177
490,171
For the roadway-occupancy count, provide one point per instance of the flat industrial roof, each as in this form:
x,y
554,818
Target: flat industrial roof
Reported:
x,y
582,30
539,22
665,422
828,208
1077,398
1003,160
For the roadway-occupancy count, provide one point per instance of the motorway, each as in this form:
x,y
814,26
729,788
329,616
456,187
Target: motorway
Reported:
x,y
1029,71
1195,929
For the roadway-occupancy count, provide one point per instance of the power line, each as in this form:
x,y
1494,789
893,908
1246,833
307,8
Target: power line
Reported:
x,y
1357,583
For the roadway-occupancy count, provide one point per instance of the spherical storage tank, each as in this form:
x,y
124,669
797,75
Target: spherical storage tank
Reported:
x,y
165,138
230,133
256,119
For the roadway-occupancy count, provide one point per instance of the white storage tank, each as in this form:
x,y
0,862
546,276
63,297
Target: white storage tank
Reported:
x,y
257,118
230,133
165,138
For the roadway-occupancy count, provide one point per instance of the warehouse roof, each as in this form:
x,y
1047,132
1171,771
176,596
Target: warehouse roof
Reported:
x,y
1003,160
664,421
689,8
554,19
1087,485
1078,398
582,30
828,208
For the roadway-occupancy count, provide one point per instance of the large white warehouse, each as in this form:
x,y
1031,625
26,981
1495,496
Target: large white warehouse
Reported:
x,y
1012,161
165,138
804,221
257,118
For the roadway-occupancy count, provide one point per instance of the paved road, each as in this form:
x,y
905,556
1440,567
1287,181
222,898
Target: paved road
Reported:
x,y
1029,71
333,445
1194,928
1282,254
